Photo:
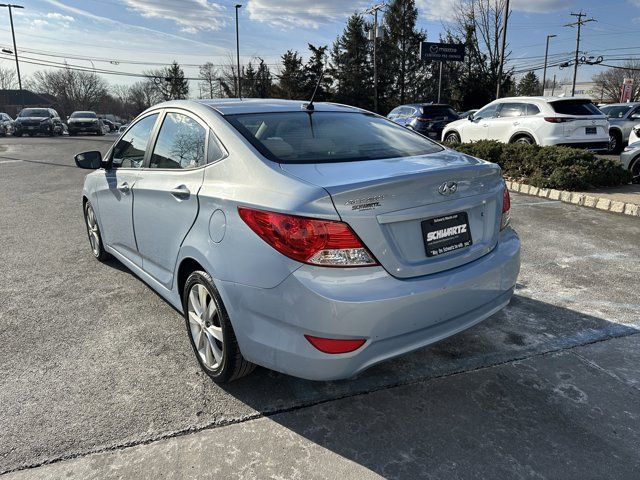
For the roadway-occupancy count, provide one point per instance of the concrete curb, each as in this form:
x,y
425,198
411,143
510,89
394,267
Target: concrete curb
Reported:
x,y
575,198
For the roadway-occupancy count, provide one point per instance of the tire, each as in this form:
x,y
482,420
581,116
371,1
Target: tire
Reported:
x,y
635,171
452,137
615,143
51,132
93,232
217,349
524,140
16,134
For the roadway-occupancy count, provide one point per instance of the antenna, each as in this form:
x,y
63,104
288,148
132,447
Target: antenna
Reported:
x,y
309,106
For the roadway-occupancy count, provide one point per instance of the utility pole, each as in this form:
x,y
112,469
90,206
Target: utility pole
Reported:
x,y
546,55
579,23
238,87
504,46
15,48
374,10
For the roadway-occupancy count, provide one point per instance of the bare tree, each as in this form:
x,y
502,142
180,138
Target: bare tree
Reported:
x,y
610,81
142,95
73,89
210,83
8,79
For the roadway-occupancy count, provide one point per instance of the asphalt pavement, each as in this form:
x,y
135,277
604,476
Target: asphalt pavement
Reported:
x,y
97,378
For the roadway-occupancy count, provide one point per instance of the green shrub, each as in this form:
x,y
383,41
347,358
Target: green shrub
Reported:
x,y
562,168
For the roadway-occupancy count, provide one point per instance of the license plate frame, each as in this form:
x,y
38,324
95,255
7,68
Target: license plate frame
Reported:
x,y
446,234
590,130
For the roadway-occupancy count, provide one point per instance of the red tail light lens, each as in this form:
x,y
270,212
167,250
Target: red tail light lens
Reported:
x,y
331,345
506,207
559,119
309,240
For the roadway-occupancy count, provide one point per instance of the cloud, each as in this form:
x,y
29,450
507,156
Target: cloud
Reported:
x,y
443,10
60,17
192,16
302,13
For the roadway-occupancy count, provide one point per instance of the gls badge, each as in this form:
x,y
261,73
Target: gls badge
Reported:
x,y
448,188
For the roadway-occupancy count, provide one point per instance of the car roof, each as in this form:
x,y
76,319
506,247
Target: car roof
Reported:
x,y
421,105
540,99
625,104
232,106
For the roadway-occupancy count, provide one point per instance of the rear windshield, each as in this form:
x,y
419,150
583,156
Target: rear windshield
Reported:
x,y
34,112
83,115
439,113
323,137
616,111
576,107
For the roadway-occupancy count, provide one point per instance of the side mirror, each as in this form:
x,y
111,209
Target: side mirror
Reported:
x,y
470,117
635,116
89,160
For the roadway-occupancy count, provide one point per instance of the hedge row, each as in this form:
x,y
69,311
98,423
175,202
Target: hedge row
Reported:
x,y
562,168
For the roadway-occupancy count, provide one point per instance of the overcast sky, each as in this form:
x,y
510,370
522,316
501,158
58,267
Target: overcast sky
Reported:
x,y
130,35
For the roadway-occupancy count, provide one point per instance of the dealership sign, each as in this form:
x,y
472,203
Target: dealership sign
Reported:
x,y
626,90
442,52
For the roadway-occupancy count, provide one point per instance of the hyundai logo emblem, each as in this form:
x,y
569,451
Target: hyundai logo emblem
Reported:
x,y
447,188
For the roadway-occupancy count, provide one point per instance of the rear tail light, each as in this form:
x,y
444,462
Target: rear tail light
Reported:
x,y
506,207
332,345
309,240
559,119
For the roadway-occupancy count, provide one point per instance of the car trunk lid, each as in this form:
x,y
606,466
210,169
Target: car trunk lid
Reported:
x,y
387,201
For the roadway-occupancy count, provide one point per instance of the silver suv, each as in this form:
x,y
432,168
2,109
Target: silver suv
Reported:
x,y
622,118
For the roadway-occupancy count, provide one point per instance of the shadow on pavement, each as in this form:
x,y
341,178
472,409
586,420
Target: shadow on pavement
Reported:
x,y
531,417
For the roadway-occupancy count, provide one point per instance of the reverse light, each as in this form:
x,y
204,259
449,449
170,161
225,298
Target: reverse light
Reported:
x,y
309,240
506,207
332,345
559,119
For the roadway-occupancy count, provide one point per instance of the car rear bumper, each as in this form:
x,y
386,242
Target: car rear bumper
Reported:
x,y
598,143
394,316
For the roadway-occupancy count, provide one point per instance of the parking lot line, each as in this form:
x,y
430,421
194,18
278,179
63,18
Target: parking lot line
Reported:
x,y
10,161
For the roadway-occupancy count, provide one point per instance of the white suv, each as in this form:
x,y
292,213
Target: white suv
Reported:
x,y
574,122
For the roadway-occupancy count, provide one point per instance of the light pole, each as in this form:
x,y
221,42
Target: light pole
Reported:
x,y
546,54
374,10
238,88
15,48
504,45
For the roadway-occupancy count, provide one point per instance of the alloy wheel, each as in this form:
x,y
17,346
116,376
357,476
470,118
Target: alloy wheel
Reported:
x,y
92,229
204,326
613,143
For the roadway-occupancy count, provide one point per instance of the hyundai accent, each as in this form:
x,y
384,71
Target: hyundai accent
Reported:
x,y
315,240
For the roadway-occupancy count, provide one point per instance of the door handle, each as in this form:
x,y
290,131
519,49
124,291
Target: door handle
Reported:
x,y
516,124
181,192
124,187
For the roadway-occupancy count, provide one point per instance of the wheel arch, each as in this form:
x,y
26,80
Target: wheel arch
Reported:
x,y
187,266
523,133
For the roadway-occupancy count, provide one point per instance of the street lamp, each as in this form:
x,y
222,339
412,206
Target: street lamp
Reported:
x,y
15,48
546,54
238,89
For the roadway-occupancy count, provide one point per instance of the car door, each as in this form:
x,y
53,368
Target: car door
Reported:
x,y
166,194
477,129
115,191
509,119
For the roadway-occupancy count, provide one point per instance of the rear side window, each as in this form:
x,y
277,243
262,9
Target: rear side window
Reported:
x,y
180,143
532,109
130,149
440,113
575,107
323,137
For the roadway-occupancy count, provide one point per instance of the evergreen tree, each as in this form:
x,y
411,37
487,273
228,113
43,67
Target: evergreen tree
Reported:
x,y
264,82
529,85
291,83
351,68
312,71
176,87
249,82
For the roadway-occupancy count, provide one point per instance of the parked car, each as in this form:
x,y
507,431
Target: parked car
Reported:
x,y
329,257
622,117
426,118
31,121
634,136
630,157
573,122
6,124
468,112
110,124
85,122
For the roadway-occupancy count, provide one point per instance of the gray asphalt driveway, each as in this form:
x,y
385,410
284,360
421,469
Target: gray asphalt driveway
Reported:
x,y
92,361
